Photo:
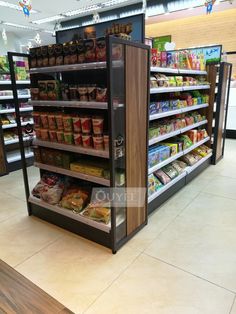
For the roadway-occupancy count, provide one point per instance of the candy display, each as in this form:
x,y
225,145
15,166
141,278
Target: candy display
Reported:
x,y
72,129
165,126
161,80
184,59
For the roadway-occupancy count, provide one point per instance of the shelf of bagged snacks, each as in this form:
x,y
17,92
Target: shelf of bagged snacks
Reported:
x,y
72,148
177,71
178,155
177,132
73,174
75,67
14,125
178,89
76,216
187,171
70,214
178,111
25,109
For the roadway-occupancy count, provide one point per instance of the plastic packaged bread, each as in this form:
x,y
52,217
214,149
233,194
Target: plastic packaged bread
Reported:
x,y
98,211
75,199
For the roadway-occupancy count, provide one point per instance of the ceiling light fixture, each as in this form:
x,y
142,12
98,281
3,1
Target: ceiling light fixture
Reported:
x,y
49,19
20,26
90,8
14,6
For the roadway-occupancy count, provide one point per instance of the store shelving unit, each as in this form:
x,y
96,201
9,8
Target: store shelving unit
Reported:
x,y
156,199
11,147
125,116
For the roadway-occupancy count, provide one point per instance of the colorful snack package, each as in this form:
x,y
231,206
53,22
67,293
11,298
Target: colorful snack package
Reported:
x,y
44,134
86,124
59,121
68,123
37,119
74,199
106,142
60,137
83,93
101,49
38,133
53,90
97,122
98,142
98,213
162,176
87,140
69,138
78,139
77,124
92,93
44,120
43,90
170,171
101,95
52,121
90,50
53,136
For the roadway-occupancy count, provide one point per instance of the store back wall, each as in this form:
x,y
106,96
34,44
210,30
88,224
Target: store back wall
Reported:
x,y
217,28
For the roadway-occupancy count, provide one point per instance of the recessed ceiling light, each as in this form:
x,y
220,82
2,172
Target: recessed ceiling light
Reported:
x,y
14,6
49,19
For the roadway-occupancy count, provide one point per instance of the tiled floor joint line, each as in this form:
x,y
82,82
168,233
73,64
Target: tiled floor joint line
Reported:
x,y
43,248
112,283
188,272
234,303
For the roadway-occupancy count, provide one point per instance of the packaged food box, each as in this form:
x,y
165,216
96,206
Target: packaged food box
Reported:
x,y
52,121
87,140
86,124
78,139
98,123
98,142
67,123
53,135
174,148
87,168
60,137
59,121
69,138
164,59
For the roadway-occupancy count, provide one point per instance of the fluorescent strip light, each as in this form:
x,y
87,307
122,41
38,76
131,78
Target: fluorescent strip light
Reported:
x,y
49,19
14,6
20,26
83,10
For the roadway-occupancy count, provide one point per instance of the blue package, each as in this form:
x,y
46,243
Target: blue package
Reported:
x,y
165,106
153,108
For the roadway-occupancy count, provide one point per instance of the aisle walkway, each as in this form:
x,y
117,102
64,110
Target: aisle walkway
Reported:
x,y
183,262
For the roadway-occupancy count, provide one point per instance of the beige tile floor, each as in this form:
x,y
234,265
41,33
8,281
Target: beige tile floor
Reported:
x,y
183,262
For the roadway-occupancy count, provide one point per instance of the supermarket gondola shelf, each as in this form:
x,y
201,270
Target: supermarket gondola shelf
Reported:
x,y
177,156
178,111
160,90
177,71
15,141
70,214
177,132
72,148
26,109
14,125
14,156
73,174
166,187
75,67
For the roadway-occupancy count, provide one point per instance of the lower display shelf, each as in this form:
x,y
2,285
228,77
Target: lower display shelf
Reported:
x,y
73,174
14,156
74,216
177,179
72,148
173,158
